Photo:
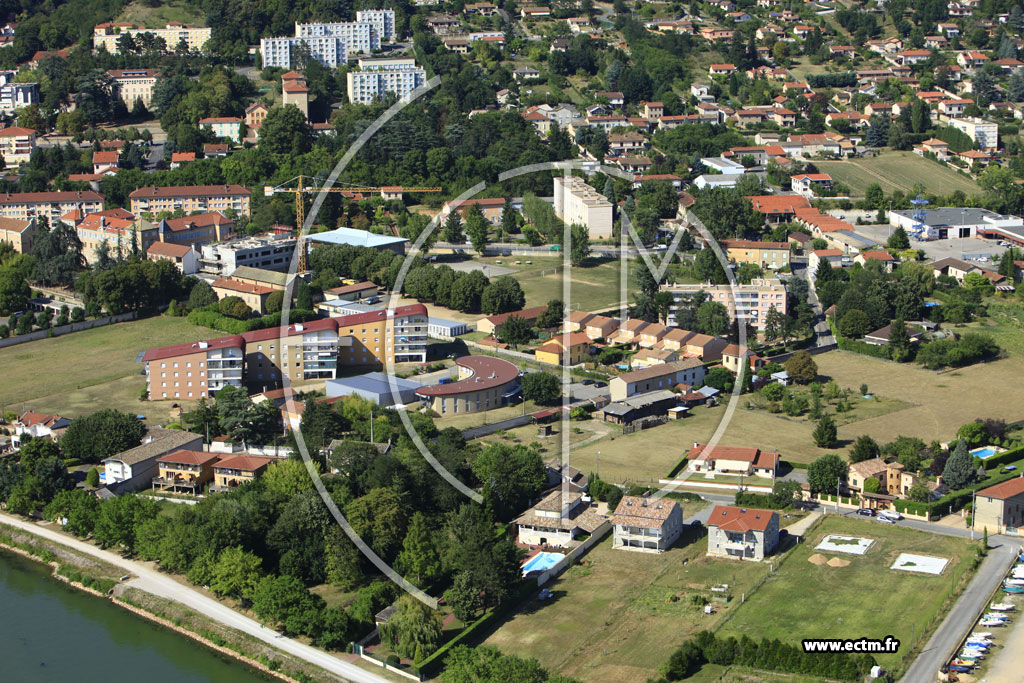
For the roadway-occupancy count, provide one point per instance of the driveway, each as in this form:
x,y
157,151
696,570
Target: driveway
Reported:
x,y
160,584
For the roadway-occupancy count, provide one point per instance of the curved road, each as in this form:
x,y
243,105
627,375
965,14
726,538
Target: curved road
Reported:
x,y
160,584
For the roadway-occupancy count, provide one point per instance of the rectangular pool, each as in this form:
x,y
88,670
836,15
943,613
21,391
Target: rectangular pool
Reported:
x,y
986,452
542,562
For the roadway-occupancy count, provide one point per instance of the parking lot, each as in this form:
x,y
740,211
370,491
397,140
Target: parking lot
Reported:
x,y
940,249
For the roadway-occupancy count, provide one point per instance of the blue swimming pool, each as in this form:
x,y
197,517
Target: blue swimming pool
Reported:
x,y
986,452
542,562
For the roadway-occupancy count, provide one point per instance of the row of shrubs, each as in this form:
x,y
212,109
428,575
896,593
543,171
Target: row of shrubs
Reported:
x,y
862,347
215,320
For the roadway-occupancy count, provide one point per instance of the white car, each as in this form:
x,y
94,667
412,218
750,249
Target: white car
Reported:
x,y
891,514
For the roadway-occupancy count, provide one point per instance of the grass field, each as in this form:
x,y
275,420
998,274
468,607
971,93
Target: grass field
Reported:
x,y
79,373
157,17
863,600
617,616
897,171
594,288
940,403
1005,322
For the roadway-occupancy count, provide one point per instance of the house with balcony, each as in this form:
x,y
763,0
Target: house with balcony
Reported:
x,y
134,469
742,533
558,520
184,471
734,460
645,525
237,470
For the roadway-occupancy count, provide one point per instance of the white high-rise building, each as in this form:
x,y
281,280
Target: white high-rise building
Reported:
x,y
360,37
382,19
378,77
578,202
328,50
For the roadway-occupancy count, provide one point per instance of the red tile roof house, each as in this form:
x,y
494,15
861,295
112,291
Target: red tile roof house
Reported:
x,y
492,323
732,460
39,425
742,533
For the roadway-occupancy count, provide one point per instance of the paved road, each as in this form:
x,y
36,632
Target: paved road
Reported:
x,y
962,616
160,584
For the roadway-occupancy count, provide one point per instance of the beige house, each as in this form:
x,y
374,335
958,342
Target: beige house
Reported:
x,y
189,198
18,233
134,84
646,358
17,144
255,296
492,323
733,355
1000,507
732,460
773,255
594,326
665,376
645,525
184,470
237,470
578,202
893,477
742,533
557,520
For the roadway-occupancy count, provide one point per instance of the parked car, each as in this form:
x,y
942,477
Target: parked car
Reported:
x,y
891,514
867,512
885,520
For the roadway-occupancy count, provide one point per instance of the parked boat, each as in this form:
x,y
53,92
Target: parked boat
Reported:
x,y
982,634
992,622
1013,590
964,662
1002,606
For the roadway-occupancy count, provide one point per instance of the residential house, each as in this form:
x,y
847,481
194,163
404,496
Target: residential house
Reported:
x,y
572,351
237,470
185,471
954,107
779,208
771,255
228,127
646,525
971,60
182,255
834,257
557,520
1000,508
742,533
934,146
733,357
733,460
880,337
689,372
39,426
18,233
808,184
134,469
721,69
17,145
255,113
492,323
646,358
178,159
887,260
892,477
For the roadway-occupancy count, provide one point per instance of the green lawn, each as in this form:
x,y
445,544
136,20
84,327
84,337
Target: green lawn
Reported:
x,y
865,599
78,373
1005,323
618,615
157,17
897,171
593,288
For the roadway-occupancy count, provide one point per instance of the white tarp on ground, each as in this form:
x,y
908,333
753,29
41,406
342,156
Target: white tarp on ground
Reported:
x,y
853,545
908,562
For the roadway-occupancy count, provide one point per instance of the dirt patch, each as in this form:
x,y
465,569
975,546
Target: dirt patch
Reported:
x,y
838,562
818,559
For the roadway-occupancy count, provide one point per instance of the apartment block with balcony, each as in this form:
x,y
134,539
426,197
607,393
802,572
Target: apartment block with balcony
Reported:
x,y
191,199
742,533
985,134
16,145
184,471
377,78
52,205
269,252
645,525
750,303
196,370
330,50
14,94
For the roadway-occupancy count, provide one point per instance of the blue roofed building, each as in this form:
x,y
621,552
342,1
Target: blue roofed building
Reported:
x,y
376,387
359,238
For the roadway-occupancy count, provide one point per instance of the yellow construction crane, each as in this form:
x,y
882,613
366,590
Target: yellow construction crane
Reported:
x,y
302,186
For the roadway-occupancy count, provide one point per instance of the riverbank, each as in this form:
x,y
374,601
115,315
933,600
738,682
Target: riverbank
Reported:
x,y
101,579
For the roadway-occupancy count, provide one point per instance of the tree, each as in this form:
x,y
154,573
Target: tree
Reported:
x,y
712,318
898,240
101,435
1016,85
825,434
511,477
467,292
515,331
419,560
899,340
92,478
854,324
707,267
502,295
801,367
825,473
543,388
14,291
719,378
237,573
453,228
974,434
959,471
872,485
580,244
275,301
919,492
413,630
487,664
285,130
552,316
303,296
202,294
476,227
773,391
234,307
283,598
864,448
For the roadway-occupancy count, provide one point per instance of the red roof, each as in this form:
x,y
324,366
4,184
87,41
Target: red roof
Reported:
x,y
199,220
776,204
750,244
755,456
152,192
45,197
182,156
877,256
247,463
168,249
526,313
30,419
188,457
822,253
13,131
732,518
221,119
105,157
244,287
294,87
488,373
1008,489
233,341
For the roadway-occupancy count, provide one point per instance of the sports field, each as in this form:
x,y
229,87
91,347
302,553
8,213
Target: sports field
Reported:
x,y
897,171
863,598
78,373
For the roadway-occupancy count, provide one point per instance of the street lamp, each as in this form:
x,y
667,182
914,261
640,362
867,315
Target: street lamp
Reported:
x,y
974,511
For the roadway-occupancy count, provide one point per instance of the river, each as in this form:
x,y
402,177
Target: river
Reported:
x,y
51,632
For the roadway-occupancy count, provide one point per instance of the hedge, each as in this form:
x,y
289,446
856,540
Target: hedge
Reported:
x,y
1010,456
795,465
677,468
862,347
215,320
911,507
431,666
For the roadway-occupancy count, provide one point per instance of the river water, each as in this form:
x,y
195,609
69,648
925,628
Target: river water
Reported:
x,y
50,633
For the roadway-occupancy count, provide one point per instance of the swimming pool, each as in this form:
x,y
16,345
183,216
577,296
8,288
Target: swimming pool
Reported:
x,y
986,451
542,562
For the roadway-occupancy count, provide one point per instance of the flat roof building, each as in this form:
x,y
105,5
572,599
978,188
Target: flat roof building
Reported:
x,y
375,387
484,383
578,202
